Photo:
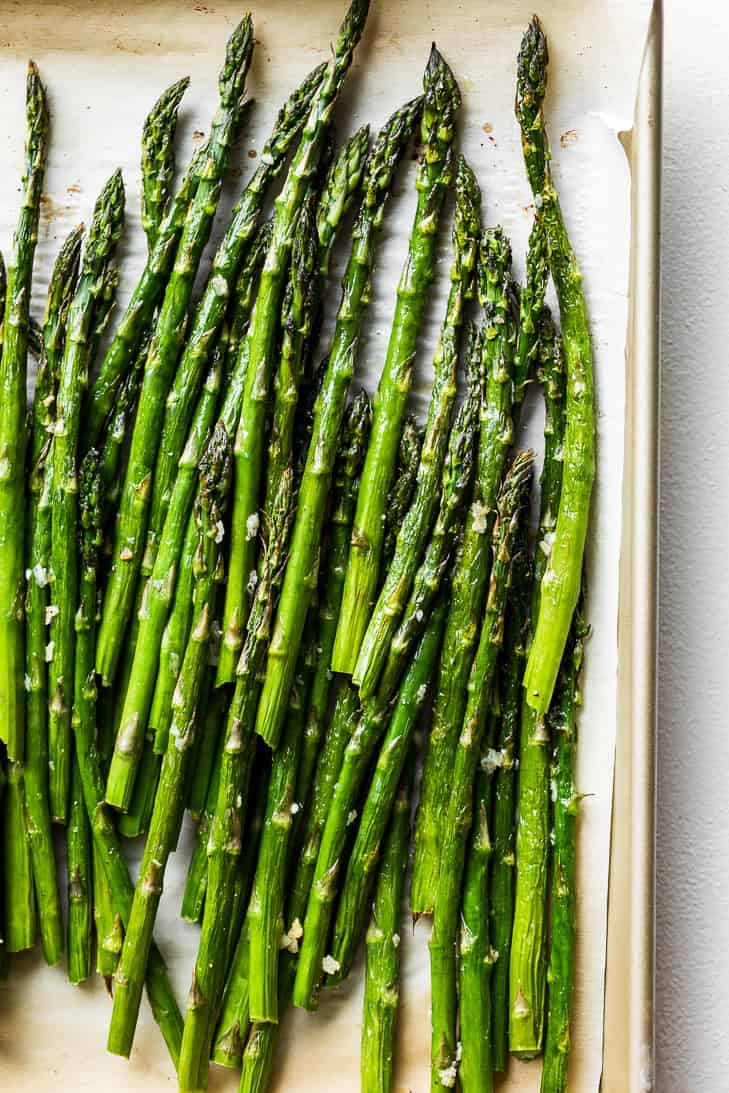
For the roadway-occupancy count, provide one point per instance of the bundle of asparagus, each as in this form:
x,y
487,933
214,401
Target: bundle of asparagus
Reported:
x,y
194,542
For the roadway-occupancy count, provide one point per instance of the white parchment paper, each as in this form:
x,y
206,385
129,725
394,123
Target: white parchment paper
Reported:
x,y
103,65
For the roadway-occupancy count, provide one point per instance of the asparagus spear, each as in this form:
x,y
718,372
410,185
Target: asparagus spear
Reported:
x,y
107,921
158,157
381,796
504,792
476,955
160,588
210,312
566,806
442,99
531,302
296,318
158,377
169,802
103,235
79,868
20,902
206,756
13,369
340,189
193,898
38,819
329,409
175,633
373,721
470,580
382,991
106,840
528,955
3,293
226,832
258,346
412,536
513,501
561,584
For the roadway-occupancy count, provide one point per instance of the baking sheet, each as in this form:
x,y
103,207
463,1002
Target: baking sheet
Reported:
x,y
103,68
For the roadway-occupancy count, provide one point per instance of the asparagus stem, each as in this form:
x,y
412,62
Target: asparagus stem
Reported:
x,y
441,102
528,957
243,299
363,861
513,500
258,346
341,187
172,641
296,319
117,430
504,807
206,755
373,721
104,834
159,371
563,913
109,929
103,235
158,157
20,903
301,572
232,1030
382,976
169,802
210,311
561,583
471,577
13,370
226,834
135,822
476,956
78,854
413,535
531,302
37,809
159,590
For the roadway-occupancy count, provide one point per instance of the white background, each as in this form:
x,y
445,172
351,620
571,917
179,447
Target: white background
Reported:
x,y
693,756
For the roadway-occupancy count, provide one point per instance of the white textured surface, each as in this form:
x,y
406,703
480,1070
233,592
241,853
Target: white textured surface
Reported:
x,y
110,65
693,742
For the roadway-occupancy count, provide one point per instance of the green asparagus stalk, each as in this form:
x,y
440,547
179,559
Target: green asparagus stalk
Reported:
x,y
258,346
513,501
107,921
561,583
340,189
158,157
116,433
19,901
244,294
37,809
476,955
105,303
531,302
566,802
300,575
528,957
160,589
158,378
226,834
80,882
381,796
232,1030
289,783
103,235
413,535
441,102
296,319
511,672
382,975
206,755
135,821
13,370
470,580
104,834
3,294
169,802
211,310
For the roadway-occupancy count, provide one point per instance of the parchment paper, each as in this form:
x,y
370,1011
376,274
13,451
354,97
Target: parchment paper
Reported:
x,y
104,65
